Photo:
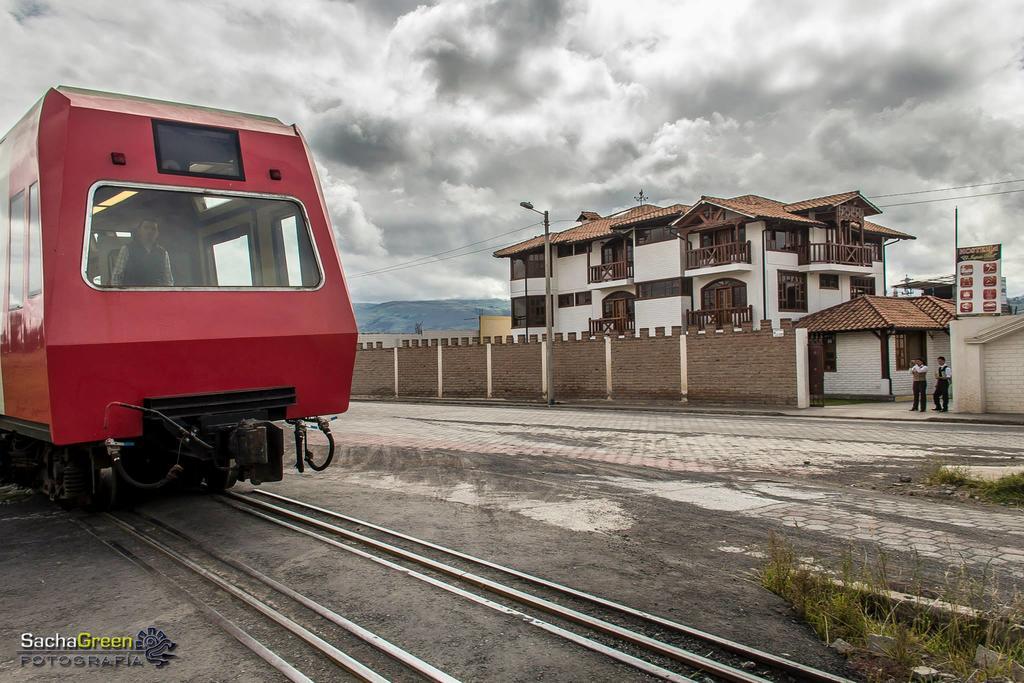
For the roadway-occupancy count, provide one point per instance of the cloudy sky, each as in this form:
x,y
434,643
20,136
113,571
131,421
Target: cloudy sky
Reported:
x,y
431,122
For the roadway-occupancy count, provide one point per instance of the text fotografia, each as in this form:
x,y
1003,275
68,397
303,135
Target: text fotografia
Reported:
x,y
89,650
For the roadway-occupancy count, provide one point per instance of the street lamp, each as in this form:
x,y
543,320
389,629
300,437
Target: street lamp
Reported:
x,y
548,313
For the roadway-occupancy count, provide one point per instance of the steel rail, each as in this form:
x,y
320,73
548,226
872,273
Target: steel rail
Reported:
x,y
343,660
418,665
242,636
686,657
767,658
646,667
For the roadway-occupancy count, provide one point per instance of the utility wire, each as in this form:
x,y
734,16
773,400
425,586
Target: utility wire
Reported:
x,y
413,263
944,189
951,199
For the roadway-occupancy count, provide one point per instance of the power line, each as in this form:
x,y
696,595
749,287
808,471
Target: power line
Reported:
x,y
944,189
951,199
413,263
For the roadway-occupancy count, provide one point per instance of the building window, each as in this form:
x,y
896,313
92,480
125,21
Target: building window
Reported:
x,y
826,281
652,235
792,291
861,285
784,240
723,294
528,311
659,289
902,360
564,250
527,265
828,343
566,300
583,298
581,248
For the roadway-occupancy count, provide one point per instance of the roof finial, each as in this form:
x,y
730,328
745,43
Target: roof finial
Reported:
x,y
641,197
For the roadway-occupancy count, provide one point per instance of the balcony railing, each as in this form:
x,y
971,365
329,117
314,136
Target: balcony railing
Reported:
x,y
607,272
717,318
718,255
843,254
612,325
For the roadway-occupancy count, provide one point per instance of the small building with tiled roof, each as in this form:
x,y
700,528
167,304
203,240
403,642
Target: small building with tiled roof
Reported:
x,y
720,261
869,343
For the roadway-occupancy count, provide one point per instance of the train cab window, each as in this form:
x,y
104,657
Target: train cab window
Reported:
x,y
35,244
16,279
186,149
140,237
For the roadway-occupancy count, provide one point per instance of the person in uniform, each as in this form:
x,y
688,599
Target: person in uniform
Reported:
x,y
919,371
942,376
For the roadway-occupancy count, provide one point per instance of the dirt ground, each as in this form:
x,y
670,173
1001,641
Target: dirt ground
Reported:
x,y
681,541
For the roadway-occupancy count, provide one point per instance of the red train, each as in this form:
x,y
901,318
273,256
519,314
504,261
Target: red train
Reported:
x,y
173,291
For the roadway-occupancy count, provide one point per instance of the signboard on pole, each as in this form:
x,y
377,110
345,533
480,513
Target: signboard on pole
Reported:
x,y
978,280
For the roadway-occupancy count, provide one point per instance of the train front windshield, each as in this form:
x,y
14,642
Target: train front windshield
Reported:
x,y
144,237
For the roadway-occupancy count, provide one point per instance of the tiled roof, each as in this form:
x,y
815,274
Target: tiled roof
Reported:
x,y
882,312
827,200
674,210
584,232
759,207
886,232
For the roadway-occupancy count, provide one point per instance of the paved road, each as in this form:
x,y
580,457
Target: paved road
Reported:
x,y
809,475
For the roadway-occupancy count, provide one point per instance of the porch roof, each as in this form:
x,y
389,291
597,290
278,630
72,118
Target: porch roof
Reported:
x,y
882,313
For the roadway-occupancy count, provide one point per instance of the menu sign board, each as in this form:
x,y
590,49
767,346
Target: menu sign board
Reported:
x,y
978,280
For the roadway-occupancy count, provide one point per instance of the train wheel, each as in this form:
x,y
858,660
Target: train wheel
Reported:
x,y
109,490
218,479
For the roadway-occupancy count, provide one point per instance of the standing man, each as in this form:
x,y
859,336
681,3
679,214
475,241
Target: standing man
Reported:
x,y
942,376
142,262
919,371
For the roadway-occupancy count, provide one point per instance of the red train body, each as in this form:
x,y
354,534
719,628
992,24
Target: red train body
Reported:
x,y
237,307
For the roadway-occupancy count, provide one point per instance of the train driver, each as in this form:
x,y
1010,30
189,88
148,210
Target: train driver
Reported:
x,y
142,262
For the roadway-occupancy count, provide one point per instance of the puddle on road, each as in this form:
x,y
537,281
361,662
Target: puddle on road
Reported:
x,y
572,513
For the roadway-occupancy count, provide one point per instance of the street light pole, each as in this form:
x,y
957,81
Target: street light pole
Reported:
x,y
549,356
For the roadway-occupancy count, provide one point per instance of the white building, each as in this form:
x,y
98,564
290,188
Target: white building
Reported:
x,y
869,343
720,261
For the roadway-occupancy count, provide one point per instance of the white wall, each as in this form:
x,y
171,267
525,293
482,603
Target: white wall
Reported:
x,y
1004,374
858,365
571,272
664,312
658,261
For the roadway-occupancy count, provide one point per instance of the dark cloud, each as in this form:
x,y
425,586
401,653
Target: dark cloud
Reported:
x,y
432,120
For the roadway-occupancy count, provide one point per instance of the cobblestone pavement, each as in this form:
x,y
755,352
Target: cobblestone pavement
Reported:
x,y
806,475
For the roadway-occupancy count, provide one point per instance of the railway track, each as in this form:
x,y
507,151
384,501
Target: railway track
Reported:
x,y
218,578
602,624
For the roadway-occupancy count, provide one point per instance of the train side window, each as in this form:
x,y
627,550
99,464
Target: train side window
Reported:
x,y
16,277
35,243
187,149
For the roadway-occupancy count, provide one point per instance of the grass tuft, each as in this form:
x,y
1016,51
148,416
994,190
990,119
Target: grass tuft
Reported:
x,y
854,602
1008,490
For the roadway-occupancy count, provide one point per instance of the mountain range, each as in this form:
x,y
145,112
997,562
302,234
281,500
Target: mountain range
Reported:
x,y
437,314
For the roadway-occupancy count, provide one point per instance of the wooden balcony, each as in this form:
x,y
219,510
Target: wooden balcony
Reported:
x,y
718,255
612,325
609,272
842,254
717,318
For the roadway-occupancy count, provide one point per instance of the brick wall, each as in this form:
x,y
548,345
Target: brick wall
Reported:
x,y
515,370
417,370
722,367
647,367
465,370
743,367
580,366
374,373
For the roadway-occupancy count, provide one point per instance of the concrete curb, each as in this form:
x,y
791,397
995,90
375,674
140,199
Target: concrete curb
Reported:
x,y
684,408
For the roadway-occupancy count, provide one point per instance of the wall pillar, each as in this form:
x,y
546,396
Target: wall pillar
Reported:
x,y
490,377
608,366
440,373
396,371
803,375
684,376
